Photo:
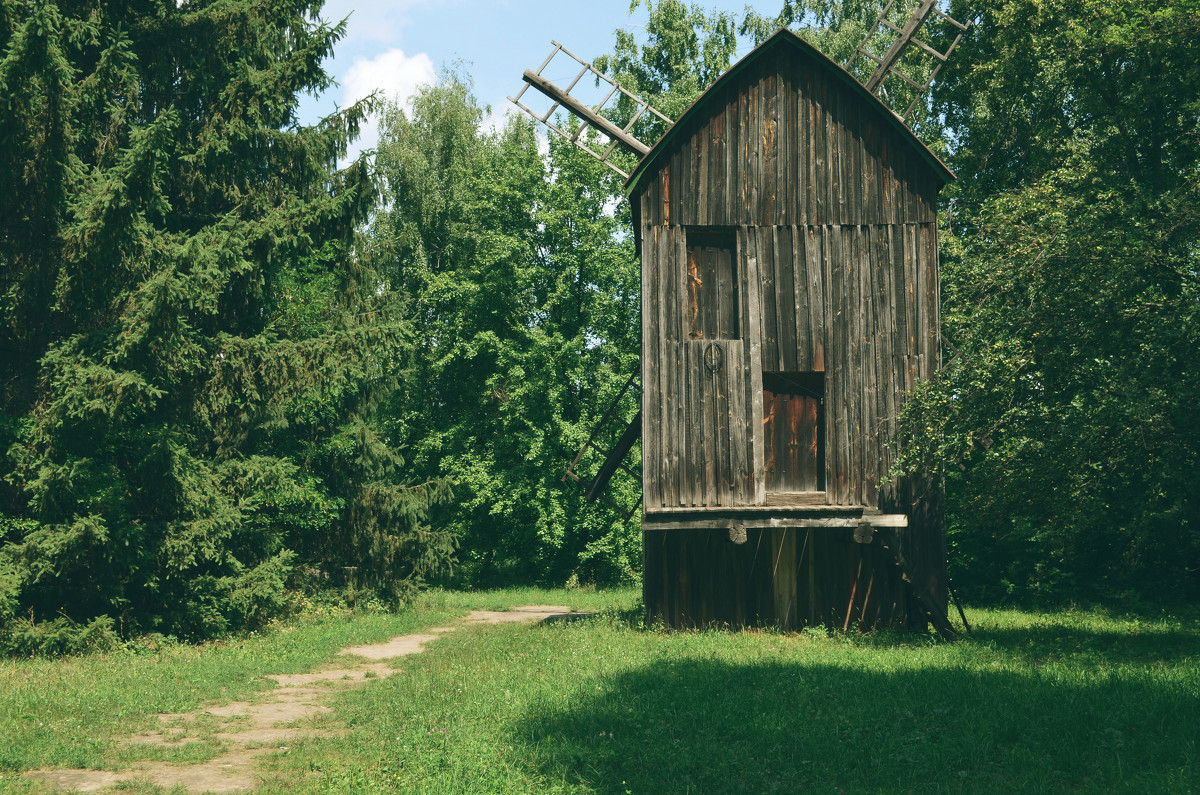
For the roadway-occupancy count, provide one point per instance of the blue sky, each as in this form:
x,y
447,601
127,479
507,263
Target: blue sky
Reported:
x,y
396,45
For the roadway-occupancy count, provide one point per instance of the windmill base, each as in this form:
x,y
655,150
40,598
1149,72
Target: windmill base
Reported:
x,y
788,577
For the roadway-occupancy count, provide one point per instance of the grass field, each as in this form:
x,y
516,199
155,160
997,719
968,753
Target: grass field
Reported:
x,y
1067,701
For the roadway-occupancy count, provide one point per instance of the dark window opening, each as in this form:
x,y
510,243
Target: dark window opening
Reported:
x,y
794,431
712,285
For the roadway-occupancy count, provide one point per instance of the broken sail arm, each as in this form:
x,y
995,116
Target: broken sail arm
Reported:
x,y
887,63
589,115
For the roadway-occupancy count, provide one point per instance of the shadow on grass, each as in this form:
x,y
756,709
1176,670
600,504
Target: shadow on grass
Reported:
x,y
695,725
1142,645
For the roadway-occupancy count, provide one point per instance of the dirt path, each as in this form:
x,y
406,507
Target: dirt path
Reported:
x,y
249,730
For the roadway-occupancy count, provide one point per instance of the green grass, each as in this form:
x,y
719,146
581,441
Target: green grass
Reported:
x,y
1030,702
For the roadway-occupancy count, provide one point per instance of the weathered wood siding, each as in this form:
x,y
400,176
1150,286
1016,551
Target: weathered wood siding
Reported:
x,y
789,145
833,213
858,301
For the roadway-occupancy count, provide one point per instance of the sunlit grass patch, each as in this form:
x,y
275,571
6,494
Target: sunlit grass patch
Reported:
x,y
1070,700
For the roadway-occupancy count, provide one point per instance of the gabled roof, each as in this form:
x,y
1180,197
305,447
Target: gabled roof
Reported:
x,y
785,38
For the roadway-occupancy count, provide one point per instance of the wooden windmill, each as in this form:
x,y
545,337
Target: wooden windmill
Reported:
x,y
787,230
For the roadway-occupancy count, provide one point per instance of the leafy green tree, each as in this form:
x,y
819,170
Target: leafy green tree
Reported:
x,y
1071,299
191,351
524,293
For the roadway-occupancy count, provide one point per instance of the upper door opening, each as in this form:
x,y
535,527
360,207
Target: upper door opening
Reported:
x,y
712,285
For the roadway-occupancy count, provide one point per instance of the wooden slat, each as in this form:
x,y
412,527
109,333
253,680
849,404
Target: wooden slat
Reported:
x,y
785,314
769,144
651,419
678,244
668,311
767,332
802,319
754,350
817,300
872,415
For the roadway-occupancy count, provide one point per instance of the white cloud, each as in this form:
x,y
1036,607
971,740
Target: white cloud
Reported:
x,y
395,75
371,20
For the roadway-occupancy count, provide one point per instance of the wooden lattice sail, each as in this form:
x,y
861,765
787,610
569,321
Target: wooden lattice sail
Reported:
x,y
905,38
593,116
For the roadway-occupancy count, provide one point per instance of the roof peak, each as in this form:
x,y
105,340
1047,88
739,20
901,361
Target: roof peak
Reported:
x,y
780,38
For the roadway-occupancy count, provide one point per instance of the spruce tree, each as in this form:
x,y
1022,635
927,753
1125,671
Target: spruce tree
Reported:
x,y
191,344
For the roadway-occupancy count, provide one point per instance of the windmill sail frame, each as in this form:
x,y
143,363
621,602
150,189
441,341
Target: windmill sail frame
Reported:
x,y
589,116
906,37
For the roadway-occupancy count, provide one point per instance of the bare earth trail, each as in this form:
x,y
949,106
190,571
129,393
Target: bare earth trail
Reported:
x,y
249,730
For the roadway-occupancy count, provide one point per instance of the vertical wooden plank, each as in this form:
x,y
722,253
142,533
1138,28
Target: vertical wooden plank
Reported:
x,y
810,436
754,384
651,351
832,354
733,377
724,450
854,309
785,174
887,184
678,243
870,161
852,161
912,321
768,146
709,431
921,295
733,380
793,466
879,143
837,157
703,141
842,362
800,288
744,176
731,185
934,298
806,154
766,268
667,341
818,175
885,313
785,291
691,430
817,300
771,436
754,154
872,417
783,576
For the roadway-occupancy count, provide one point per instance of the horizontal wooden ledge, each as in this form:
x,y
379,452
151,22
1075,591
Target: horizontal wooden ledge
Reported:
x,y
750,518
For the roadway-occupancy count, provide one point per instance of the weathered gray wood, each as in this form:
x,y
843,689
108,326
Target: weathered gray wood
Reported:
x,y
785,313
679,520
584,112
834,214
754,348
669,365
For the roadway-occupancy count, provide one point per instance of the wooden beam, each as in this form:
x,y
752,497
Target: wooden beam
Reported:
x,y
586,113
900,44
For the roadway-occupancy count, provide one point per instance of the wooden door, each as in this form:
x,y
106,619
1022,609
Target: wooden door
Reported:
x,y
793,436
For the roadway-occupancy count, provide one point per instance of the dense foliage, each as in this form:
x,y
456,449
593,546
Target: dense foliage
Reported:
x,y
526,288
214,344
1071,301
191,352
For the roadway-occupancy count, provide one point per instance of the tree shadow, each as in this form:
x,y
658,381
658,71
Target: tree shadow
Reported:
x,y
703,725
1055,641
